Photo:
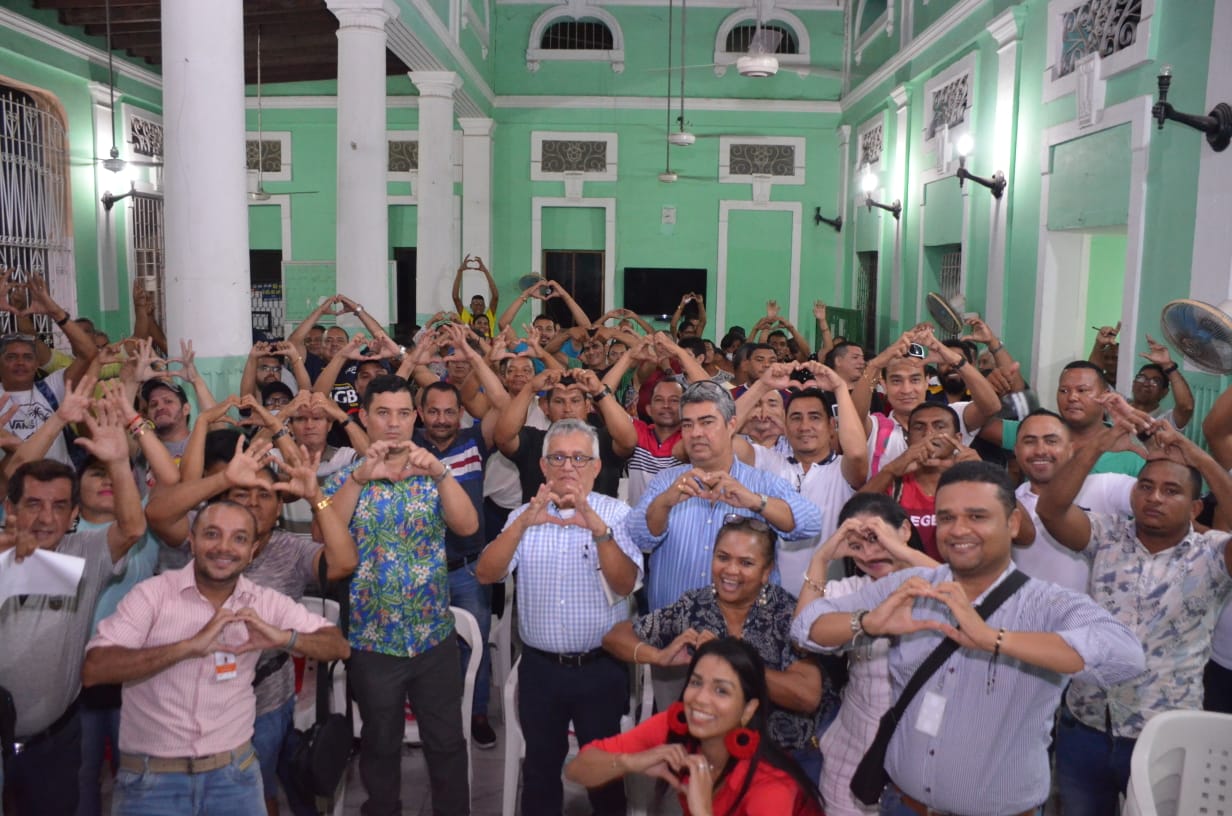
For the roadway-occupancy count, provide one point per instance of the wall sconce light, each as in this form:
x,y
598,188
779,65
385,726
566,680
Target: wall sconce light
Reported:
x,y
836,222
868,183
1217,125
109,200
965,145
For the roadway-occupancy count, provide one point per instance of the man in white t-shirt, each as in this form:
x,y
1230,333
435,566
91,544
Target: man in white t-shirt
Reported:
x,y
819,474
36,400
1043,447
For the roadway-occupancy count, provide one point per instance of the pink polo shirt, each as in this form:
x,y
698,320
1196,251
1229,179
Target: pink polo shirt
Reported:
x,y
183,711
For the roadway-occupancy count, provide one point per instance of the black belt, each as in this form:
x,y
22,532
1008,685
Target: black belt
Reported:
x,y
574,661
461,561
22,743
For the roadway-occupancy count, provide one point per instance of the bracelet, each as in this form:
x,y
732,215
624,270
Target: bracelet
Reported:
x,y
291,643
639,645
992,661
764,501
359,309
962,361
280,433
63,320
134,422
606,392
1170,370
999,347
857,624
323,503
818,588
604,537
446,473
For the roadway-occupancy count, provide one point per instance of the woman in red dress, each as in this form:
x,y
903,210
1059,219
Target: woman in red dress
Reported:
x,y
711,746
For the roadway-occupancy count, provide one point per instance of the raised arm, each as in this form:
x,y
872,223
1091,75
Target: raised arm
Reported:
x,y
205,399
511,314
82,343
108,444
456,292
617,421
493,292
1217,428
851,434
299,336
1182,397
1067,522
825,337
248,378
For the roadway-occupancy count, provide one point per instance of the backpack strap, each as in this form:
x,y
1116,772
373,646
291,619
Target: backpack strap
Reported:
x,y
885,429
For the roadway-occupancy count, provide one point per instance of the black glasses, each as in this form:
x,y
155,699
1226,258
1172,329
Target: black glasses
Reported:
x,y
751,522
559,459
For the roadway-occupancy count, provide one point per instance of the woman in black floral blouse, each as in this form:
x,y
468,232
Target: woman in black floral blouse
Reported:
x,y
741,603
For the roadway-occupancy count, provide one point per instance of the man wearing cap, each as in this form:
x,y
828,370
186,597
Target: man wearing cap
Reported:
x,y
37,399
166,408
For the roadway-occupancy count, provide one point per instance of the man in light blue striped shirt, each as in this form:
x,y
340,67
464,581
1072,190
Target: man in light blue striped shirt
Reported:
x,y
575,569
679,515
974,740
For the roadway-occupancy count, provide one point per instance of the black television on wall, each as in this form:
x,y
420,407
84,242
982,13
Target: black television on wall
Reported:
x,y
652,290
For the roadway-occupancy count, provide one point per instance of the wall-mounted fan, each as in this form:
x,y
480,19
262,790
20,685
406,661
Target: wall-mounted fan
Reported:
x,y
1202,333
947,313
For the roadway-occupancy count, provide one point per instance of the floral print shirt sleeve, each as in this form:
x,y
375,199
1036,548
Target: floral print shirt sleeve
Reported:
x,y
1170,601
400,590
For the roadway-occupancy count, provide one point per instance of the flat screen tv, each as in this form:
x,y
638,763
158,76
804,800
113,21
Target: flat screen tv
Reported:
x,y
657,290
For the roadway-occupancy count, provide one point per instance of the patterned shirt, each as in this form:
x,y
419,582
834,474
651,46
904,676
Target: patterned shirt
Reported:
x,y
969,767
681,555
400,591
1170,600
767,629
563,606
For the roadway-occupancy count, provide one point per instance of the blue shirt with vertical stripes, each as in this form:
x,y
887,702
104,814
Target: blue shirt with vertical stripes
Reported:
x,y
989,753
680,557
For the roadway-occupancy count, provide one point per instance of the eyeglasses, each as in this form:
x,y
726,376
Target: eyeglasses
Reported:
x,y
1143,379
269,369
559,459
754,524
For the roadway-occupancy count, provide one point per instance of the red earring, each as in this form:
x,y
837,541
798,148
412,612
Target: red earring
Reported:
x,y
742,742
676,721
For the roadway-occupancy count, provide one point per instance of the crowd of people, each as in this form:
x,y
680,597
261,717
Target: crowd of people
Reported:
x,y
864,580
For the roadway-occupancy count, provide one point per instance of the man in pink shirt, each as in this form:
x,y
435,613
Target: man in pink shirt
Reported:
x,y
185,645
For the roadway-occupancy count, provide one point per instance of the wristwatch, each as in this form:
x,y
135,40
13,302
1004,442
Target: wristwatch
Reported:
x,y
606,535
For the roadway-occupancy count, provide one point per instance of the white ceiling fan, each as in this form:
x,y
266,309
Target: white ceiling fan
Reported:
x,y
113,162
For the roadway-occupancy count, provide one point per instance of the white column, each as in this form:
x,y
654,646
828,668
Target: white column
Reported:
x,y
1006,31
105,180
841,273
362,226
205,183
476,198
1212,241
436,254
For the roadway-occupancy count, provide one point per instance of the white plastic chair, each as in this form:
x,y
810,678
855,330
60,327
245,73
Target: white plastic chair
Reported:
x,y
1181,766
641,702
500,638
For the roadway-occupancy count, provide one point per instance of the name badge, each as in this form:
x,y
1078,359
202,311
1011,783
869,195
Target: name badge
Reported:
x,y
225,666
931,712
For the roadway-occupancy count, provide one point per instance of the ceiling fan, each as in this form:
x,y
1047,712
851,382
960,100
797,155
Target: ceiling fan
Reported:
x,y
113,162
259,193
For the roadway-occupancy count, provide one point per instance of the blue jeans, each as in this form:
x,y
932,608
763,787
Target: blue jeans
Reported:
x,y
1092,768
467,593
98,727
233,790
275,740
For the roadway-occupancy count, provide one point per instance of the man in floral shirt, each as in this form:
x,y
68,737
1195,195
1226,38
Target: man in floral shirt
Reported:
x,y
1158,576
400,499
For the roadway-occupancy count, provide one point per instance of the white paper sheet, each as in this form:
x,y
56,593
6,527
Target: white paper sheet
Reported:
x,y
42,573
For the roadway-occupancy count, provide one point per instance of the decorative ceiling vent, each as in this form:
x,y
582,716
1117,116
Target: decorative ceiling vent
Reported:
x,y
269,158
573,156
870,146
146,136
949,105
1101,27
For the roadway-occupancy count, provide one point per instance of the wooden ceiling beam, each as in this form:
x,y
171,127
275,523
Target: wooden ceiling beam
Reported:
x,y
85,16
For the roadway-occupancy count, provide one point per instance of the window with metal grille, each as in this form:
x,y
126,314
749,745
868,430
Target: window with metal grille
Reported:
x,y
577,35
148,270
34,205
739,38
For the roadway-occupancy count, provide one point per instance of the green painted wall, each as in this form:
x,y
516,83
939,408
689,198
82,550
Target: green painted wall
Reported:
x,y
1105,282
1090,187
944,202
574,228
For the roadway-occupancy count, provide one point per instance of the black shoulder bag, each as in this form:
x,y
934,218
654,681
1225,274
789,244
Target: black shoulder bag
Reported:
x,y
324,749
870,777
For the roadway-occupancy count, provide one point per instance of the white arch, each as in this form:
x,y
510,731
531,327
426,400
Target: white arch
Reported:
x,y
575,10
776,16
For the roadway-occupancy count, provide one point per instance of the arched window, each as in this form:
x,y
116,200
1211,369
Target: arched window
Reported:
x,y
577,35
34,206
739,38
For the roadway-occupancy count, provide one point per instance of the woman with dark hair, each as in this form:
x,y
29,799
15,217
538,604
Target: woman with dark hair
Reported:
x,y
740,602
875,532
712,746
